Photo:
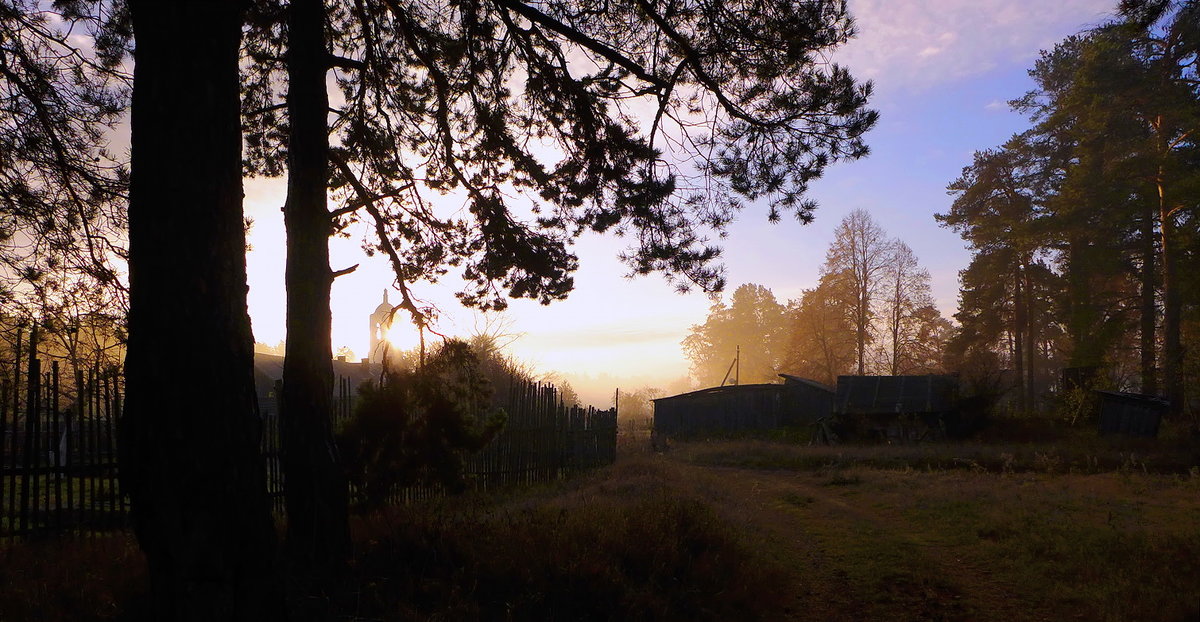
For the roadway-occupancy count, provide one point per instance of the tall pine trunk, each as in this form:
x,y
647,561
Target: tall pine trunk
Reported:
x,y
1019,327
315,489
1149,310
1172,308
1030,339
190,436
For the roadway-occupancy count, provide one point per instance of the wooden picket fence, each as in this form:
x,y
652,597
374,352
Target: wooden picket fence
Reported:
x,y
542,441
58,446
58,461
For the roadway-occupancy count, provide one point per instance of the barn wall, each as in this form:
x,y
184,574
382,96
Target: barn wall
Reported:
x,y
734,409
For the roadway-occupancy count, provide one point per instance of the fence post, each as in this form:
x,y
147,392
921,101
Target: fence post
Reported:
x,y
56,468
16,413
4,485
33,375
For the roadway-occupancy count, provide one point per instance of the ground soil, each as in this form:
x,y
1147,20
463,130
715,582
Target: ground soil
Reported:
x,y
871,544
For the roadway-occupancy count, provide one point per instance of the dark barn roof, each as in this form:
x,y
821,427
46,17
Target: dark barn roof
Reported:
x,y
726,390
812,384
864,395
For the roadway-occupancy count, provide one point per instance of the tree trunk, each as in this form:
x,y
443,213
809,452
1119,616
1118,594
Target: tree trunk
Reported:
x,y
1172,307
860,327
1087,349
897,299
315,491
1030,339
1019,326
1149,310
190,436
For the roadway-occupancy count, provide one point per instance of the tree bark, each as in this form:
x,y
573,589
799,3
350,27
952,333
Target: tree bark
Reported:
x,y
315,490
1030,338
1019,326
190,455
1172,308
1149,310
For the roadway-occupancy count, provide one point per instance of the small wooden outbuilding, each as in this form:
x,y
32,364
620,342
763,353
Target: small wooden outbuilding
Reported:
x,y
904,408
1131,414
738,408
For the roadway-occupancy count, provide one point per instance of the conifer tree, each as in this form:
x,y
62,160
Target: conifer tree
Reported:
x,y
487,137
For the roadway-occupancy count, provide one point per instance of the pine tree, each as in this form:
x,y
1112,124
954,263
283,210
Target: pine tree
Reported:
x,y
517,116
191,457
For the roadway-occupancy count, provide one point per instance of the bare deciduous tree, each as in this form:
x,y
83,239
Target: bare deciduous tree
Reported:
x,y
858,261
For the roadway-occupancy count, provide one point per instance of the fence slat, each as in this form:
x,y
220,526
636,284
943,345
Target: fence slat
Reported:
x,y
73,450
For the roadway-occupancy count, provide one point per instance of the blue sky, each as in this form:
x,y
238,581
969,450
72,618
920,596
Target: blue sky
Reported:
x,y
943,71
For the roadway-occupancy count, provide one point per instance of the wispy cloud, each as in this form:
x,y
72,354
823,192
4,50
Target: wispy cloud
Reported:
x,y
913,44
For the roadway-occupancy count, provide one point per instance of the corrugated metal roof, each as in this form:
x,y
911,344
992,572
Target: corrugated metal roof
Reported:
x,y
895,394
727,389
805,381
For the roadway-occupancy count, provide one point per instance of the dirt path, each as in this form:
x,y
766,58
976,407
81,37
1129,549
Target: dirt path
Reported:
x,y
853,555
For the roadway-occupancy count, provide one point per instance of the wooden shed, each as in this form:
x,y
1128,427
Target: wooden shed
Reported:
x,y
1131,414
808,400
742,407
901,408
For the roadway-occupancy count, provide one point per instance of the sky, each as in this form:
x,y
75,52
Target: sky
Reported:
x,y
943,71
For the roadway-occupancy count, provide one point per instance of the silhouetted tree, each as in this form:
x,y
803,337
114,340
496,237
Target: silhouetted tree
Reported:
x,y
318,532
62,191
821,342
190,437
907,306
486,102
754,324
1165,40
1090,207
1099,203
858,261
997,209
1125,96
417,425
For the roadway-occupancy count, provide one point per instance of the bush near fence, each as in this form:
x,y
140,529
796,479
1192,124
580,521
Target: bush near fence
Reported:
x,y
542,441
58,460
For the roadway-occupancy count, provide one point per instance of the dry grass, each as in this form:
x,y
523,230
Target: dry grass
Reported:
x,y
1088,529
978,532
96,578
1081,453
622,546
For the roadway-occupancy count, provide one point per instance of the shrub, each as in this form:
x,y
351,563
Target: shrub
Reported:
x,y
416,425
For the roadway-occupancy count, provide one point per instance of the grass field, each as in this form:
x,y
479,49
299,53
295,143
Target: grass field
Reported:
x,y
749,530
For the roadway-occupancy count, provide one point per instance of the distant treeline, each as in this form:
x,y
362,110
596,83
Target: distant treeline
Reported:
x,y
870,313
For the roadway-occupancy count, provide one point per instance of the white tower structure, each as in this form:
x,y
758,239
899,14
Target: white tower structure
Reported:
x,y
381,321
